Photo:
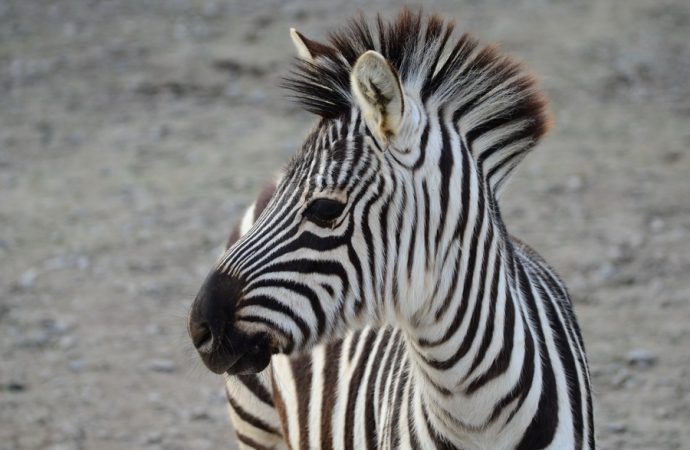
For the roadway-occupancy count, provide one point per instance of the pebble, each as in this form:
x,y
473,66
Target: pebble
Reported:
x,y
656,225
620,379
606,272
153,329
575,183
64,446
67,342
76,366
13,386
56,327
641,358
616,427
155,397
201,444
163,366
621,254
154,437
199,414
28,278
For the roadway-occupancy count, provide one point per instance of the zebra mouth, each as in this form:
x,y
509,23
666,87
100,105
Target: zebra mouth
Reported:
x,y
255,358
238,355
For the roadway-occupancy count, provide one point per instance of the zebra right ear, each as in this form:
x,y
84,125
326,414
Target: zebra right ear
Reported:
x,y
378,92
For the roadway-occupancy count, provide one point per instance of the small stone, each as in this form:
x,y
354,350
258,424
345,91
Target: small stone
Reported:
x,y
201,444
606,272
575,183
620,379
621,254
641,358
155,397
56,327
656,224
211,10
67,342
76,366
163,366
28,279
154,437
83,262
199,414
14,386
63,446
258,97
153,329
616,427
662,413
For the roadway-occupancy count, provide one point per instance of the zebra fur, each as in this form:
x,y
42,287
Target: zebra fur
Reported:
x,y
413,320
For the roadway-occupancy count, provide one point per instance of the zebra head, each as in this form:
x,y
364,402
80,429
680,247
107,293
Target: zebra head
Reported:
x,y
355,228
301,271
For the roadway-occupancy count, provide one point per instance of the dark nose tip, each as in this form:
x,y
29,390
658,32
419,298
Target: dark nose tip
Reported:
x,y
211,317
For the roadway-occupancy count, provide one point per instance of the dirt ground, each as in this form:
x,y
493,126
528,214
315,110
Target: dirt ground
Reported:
x,y
132,132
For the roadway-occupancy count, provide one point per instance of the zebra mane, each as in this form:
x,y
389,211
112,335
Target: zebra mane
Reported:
x,y
484,89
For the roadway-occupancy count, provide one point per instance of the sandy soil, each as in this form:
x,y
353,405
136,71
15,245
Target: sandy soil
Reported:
x,y
132,132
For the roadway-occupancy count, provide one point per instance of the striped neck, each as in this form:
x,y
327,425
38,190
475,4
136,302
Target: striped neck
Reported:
x,y
465,333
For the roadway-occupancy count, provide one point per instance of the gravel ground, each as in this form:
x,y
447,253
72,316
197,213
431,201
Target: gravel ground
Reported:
x,y
132,132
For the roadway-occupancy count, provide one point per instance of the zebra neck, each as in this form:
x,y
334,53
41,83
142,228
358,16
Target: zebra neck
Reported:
x,y
471,358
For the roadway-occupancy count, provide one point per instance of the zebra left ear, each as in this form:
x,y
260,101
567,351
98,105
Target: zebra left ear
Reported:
x,y
307,49
378,92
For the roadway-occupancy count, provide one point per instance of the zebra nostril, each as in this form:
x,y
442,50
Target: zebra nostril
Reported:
x,y
201,335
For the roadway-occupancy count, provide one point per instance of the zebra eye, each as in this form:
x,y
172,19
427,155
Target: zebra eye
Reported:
x,y
322,211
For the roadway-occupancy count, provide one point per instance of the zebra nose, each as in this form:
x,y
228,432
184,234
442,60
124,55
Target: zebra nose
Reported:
x,y
210,321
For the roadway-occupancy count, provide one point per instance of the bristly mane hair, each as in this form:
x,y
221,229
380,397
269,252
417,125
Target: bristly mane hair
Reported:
x,y
482,88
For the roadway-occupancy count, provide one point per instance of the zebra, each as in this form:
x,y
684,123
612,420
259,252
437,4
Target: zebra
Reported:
x,y
372,297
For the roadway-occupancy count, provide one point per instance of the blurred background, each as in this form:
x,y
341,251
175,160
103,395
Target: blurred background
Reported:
x,y
132,134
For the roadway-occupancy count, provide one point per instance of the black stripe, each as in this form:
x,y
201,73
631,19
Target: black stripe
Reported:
x,y
269,303
302,371
250,419
426,232
369,407
461,225
396,403
355,383
502,361
565,351
301,290
411,424
330,386
251,443
542,429
445,165
255,386
489,321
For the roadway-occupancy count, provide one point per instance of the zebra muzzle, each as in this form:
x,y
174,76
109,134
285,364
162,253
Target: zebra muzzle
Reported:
x,y
223,348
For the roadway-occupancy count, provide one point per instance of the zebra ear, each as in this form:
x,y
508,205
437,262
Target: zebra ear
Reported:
x,y
307,49
378,92
299,41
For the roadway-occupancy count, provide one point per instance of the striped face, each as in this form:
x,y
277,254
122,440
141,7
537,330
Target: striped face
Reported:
x,y
300,265
299,273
